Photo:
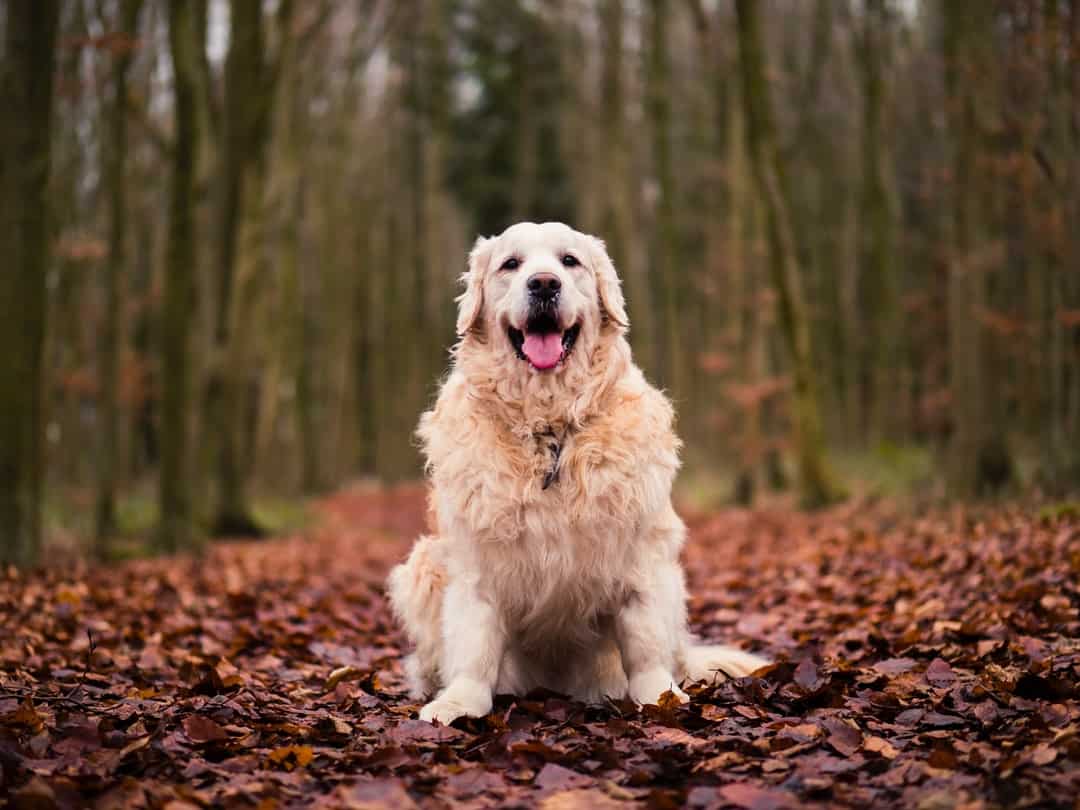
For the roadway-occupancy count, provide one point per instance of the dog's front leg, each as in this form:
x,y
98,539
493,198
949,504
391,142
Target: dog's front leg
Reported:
x,y
473,644
648,629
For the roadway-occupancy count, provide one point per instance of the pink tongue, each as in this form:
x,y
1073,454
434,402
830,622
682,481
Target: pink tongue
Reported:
x,y
543,351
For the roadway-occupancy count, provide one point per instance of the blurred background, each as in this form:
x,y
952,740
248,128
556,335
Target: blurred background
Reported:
x,y
849,232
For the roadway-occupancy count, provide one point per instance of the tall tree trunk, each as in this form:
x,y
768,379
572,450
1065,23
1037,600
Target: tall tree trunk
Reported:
x,y
175,529
617,179
663,272
743,224
115,270
1060,363
816,482
978,459
1068,129
297,346
26,93
421,46
240,259
879,370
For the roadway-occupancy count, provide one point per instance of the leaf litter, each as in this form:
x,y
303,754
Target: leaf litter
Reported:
x,y
921,661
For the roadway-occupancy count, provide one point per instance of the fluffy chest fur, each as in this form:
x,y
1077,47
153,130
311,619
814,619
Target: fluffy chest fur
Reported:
x,y
554,559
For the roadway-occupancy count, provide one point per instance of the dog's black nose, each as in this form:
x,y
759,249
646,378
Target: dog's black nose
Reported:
x,y
544,286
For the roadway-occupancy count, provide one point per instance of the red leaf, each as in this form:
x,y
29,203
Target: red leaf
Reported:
x,y
845,739
807,676
201,730
940,674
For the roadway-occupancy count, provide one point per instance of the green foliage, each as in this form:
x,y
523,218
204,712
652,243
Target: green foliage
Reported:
x,y
68,522
505,158
889,470
1056,512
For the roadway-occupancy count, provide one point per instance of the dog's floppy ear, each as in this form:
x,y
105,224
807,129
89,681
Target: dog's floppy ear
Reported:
x,y
471,302
608,285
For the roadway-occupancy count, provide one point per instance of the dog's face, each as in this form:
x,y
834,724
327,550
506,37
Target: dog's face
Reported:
x,y
537,290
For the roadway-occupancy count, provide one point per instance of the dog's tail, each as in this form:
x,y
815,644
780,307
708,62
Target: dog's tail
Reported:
x,y
415,589
707,662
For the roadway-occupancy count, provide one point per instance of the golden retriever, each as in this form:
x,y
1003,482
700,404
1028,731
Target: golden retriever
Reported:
x,y
551,459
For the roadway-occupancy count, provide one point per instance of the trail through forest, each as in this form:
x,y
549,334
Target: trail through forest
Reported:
x,y
925,662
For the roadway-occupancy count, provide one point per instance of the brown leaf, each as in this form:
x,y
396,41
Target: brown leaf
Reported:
x,y
892,667
137,744
807,676
342,674
878,745
842,737
1042,754
940,674
201,730
755,797
669,701
555,777
414,731
376,794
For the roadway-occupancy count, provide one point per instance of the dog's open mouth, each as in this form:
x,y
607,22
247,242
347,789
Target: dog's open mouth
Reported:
x,y
543,343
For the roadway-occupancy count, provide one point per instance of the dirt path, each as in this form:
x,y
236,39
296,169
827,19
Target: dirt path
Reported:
x,y
928,662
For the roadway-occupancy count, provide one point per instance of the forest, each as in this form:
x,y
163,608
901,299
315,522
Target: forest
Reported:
x,y
849,238
846,230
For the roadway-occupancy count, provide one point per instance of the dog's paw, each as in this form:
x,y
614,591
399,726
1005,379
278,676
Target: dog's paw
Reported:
x,y
647,687
459,700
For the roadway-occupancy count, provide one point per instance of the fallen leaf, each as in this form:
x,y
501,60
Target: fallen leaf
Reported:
x,y
340,674
754,797
557,778
807,676
878,745
201,730
842,737
940,674
291,756
587,799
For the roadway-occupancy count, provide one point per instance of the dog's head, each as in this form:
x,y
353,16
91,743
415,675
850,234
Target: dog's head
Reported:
x,y
537,291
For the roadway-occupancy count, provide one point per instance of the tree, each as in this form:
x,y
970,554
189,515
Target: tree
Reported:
x,y
248,109
978,456
26,93
115,172
175,529
505,160
664,271
879,368
816,482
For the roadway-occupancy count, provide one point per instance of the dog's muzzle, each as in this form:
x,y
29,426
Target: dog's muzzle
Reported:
x,y
544,343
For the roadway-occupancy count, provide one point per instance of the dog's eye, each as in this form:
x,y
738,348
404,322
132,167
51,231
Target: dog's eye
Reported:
x,y
510,264
570,261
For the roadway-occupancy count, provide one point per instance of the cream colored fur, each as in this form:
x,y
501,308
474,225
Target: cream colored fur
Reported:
x,y
577,587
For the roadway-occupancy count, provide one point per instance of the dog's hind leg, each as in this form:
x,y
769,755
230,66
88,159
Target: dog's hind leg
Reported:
x,y
415,589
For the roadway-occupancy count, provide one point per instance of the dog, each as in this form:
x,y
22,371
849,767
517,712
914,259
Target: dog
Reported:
x,y
551,460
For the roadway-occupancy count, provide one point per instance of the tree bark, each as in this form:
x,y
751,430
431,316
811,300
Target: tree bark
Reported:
x,y
249,88
664,273
115,270
978,458
879,370
816,482
26,93
175,529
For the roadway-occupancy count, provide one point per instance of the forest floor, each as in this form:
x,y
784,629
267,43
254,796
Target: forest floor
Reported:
x,y
927,661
